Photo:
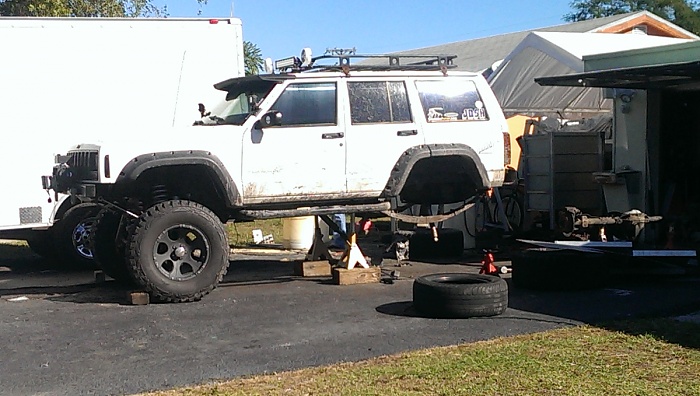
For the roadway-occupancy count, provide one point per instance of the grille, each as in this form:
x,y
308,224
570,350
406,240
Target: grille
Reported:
x,y
85,164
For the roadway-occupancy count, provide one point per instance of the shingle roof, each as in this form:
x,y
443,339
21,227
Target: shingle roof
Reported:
x,y
479,54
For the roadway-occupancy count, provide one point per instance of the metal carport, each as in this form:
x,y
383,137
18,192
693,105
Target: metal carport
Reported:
x,y
656,154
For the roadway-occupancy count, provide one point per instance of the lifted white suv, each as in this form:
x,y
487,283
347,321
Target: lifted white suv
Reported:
x,y
311,139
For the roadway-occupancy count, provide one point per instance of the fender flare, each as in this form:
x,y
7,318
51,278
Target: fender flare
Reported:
x,y
144,162
400,172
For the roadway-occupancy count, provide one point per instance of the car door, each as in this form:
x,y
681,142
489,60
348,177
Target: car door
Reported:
x,y
304,156
380,127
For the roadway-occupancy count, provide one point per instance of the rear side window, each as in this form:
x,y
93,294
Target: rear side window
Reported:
x,y
451,100
378,102
308,104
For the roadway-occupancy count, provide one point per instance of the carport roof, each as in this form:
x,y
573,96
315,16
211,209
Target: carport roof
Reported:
x,y
640,77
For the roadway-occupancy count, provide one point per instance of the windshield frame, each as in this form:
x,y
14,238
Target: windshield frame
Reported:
x,y
243,97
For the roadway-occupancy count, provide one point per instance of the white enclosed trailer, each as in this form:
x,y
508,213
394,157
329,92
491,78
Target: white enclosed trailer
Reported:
x,y
63,80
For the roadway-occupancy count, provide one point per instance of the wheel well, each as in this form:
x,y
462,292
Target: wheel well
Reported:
x,y
197,183
442,179
63,208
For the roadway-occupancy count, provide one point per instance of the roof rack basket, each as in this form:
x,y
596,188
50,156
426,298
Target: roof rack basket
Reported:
x,y
393,62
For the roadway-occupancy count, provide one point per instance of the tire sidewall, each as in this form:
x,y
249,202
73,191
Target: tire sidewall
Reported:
x,y
460,295
110,257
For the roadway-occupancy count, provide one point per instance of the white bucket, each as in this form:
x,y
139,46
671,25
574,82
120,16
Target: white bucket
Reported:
x,y
298,232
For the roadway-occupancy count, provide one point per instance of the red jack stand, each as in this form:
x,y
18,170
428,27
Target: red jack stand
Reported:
x,y
487,267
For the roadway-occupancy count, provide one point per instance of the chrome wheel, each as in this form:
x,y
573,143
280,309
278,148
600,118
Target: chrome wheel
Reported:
x,y
81,238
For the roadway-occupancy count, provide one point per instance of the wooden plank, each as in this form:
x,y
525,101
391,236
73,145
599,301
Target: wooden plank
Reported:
x,y
355,276
138,298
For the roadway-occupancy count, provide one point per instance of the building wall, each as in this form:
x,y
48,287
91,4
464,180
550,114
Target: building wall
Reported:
x,y
516,127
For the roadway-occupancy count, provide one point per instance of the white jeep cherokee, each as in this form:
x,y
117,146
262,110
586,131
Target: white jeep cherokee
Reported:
x,y
312,139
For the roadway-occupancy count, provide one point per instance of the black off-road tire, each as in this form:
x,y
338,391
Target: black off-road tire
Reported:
x,y
72,236
450,244
109,244
41,243
552,269
178,251
460,295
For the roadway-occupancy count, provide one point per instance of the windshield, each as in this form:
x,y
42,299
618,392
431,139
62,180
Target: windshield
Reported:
x,y
240,103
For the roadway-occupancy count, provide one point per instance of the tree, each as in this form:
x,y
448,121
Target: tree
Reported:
x,y
80,8
252,58
684,13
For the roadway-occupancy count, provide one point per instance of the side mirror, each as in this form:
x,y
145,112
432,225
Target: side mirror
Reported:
x,y
271,118
253,103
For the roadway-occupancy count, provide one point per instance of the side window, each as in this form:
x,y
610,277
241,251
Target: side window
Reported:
x,y
454,100
378,102
308,104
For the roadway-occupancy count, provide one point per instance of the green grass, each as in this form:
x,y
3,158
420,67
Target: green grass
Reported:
x,y
241,234
572,361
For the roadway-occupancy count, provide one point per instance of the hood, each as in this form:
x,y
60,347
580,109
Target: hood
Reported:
x,y
122,146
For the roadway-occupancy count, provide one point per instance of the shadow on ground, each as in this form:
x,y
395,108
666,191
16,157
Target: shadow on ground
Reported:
x,y
615,306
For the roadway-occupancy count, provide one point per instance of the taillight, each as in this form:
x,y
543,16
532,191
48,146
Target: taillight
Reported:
x,y
506,148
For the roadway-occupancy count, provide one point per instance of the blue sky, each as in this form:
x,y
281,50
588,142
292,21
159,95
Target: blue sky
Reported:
x,y
282,28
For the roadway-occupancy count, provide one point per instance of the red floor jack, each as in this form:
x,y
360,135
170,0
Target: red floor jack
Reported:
x,y
489,268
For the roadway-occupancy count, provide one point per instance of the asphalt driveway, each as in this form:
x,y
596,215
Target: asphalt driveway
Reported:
x,y
64,334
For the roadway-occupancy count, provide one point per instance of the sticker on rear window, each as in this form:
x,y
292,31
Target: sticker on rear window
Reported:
x,y
474,114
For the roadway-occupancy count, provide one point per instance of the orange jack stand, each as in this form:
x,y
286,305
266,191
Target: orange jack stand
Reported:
x,y
487,266
353,255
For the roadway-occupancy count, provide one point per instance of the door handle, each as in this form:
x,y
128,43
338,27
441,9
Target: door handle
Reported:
x,y
409,132
336,135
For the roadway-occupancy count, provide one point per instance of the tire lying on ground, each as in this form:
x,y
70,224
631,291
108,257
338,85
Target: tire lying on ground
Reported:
x,y
459,295
450,244
552,269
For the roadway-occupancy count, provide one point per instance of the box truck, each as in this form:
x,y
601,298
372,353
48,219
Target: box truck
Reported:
x,y
65,80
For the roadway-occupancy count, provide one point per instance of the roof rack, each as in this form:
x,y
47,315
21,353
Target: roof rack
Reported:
x,y
344,63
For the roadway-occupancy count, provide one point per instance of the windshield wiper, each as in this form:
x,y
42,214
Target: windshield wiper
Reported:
x,y
217,121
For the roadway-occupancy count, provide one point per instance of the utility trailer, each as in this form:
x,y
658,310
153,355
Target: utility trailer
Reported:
x,y
72,79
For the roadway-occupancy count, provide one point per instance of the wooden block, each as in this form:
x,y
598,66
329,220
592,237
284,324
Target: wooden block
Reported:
x,y
100,277
312,268
356,276
138,298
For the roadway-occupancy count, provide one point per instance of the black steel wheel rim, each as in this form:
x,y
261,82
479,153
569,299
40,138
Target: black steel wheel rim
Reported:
x,y
181,252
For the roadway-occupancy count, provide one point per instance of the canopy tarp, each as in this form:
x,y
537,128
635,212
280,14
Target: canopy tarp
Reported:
x,y
543,54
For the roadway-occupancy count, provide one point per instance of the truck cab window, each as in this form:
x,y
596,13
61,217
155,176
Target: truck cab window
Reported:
x,y
308,104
